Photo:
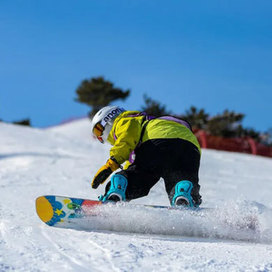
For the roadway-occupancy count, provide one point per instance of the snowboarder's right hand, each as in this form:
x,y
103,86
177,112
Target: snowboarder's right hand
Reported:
x,y
104,172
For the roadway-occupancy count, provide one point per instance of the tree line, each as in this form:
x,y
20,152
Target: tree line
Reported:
x,y
98,92
23,122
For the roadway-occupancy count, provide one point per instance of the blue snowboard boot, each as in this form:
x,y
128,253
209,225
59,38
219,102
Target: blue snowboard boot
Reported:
x,y
182,196
117,191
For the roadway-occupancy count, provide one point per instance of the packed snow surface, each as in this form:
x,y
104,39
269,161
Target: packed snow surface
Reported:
x,y
232,233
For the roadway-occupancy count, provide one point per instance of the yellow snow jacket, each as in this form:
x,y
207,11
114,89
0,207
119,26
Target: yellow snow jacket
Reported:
x,y
126,132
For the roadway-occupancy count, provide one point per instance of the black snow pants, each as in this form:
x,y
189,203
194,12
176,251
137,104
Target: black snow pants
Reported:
x,y
172,159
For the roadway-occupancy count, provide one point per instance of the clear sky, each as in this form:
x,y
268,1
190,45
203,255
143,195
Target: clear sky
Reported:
x,y
214,54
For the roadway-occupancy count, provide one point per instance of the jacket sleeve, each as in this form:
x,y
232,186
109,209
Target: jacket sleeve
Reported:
x,y
127,132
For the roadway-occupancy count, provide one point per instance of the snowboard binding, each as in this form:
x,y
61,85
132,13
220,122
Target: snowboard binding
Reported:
x,y
117,190
182,195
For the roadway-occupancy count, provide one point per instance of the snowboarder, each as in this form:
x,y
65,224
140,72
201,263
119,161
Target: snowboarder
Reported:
x,y
152,148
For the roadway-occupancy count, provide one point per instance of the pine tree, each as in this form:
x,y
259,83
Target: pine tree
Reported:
x,y
24,122
227,124
98,93
198,118
153,107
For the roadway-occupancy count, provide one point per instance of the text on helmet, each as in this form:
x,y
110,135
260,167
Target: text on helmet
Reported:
x,y
112,114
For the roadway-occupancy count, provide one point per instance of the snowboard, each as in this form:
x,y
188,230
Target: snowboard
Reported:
x,y
93,215
55,210
60,210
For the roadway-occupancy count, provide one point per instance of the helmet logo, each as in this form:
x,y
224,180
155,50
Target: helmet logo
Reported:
x,y
111,114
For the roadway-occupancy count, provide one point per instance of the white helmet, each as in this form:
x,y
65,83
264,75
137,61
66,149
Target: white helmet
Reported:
x,y
103,120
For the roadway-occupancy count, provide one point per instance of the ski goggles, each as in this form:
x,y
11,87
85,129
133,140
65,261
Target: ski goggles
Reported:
x,y
98,132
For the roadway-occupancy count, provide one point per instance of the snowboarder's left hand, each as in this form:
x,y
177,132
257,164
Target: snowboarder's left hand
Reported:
x,y
104,172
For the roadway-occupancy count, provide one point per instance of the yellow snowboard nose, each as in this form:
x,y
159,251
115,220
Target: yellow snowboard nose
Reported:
x,y
44,209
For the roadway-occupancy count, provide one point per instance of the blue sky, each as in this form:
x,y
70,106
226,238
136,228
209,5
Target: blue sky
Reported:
x,y
215,55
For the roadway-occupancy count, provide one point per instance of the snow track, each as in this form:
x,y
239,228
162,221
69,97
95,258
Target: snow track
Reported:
x,y
235,236
240,221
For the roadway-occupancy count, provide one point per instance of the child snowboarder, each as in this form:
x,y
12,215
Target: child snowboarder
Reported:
x,y
152,148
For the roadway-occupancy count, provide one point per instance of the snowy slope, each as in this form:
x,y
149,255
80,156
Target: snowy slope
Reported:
x,y
62,160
